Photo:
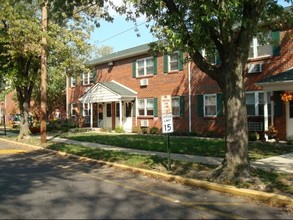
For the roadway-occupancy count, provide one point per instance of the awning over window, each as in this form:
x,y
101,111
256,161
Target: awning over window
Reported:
x,y
108,92
279,82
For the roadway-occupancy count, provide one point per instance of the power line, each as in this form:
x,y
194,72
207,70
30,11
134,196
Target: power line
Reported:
x,y
99,42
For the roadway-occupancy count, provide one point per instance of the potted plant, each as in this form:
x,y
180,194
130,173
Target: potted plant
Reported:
x,y
272,132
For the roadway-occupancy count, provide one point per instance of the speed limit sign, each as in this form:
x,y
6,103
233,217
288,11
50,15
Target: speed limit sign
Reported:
x,y
167,121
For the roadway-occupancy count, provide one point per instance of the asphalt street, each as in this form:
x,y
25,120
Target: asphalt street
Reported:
x,y
37,184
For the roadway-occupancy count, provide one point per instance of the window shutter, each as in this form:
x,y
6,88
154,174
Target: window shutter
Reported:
x,y
276,43
200,105
219,104
80,109
155,107
182,105
278,108
155,65
94,76
166,64
180,61
134,69
134,109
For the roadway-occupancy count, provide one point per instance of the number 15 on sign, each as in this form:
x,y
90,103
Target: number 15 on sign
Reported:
x,y
167,123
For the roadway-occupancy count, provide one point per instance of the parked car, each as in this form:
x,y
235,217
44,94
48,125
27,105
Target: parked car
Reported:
x,y
16,120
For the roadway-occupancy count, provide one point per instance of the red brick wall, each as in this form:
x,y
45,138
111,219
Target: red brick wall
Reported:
x,y
176,84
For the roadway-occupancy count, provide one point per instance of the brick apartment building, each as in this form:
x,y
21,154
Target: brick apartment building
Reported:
x,y
126,88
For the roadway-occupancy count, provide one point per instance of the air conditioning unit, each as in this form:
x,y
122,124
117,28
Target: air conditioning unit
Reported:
x,y
144,82
144,123
255,68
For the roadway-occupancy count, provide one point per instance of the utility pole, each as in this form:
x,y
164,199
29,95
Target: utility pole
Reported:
x,y
44,74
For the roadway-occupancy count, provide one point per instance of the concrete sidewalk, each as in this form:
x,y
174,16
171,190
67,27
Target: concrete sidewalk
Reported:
x,y
282,163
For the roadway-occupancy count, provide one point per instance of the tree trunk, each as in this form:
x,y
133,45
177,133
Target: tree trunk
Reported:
x,y
235,163
24,122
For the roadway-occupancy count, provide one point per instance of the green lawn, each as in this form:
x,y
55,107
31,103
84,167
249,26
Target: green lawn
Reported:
x,y
183,145
270,181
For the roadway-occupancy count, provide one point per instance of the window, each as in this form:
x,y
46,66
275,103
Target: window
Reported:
x,y
260,46
73,107
145,66
176,106
255,103
211,56
117,109
86,109
72,82
109,110
173,62
210,105
145,107
88,78
128,109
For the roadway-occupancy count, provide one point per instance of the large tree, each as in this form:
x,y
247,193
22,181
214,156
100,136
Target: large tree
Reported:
x,y
225,27
20,43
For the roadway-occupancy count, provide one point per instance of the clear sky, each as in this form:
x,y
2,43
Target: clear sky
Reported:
x,y
122,35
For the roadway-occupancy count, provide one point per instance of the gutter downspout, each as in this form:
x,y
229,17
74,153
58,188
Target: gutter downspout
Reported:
x,y
189,98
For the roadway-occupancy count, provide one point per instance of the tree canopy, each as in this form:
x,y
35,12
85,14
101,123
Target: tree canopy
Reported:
x,y
20,43
224,28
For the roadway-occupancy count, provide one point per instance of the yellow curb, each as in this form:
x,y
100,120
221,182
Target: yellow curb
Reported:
x,y
271,198
12,151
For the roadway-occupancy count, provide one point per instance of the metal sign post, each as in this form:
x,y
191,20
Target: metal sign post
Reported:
x,y
167,122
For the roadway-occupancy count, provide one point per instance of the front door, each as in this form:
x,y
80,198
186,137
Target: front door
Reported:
x,y
289,119
100,116
127,123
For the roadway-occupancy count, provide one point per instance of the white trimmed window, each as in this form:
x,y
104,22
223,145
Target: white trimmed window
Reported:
x,y
211,57
145,107
86,109
72,82
145,66
210,105
176,106
88,78
73,107
173,62
260,46
255,103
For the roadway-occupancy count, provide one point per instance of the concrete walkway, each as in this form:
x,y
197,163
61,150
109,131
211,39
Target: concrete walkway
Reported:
x,y
282,163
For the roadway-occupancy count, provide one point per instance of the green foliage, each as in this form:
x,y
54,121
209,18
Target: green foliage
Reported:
x,y
184,145
144,130
119,129
154,130
20,45
253,136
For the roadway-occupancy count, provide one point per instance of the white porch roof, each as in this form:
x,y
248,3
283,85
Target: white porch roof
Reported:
x,y
108,92
280,82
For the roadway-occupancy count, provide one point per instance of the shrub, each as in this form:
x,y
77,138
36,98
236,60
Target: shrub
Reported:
x,y
104,130
253,136
154,130
136,129
144,130
119,129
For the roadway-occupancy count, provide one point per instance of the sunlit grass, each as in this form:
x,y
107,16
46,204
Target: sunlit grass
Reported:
x,y
182,145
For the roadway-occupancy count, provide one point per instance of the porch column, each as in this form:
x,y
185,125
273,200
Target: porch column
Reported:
x,y
135,111
121,113
266,114
91,109
272,111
